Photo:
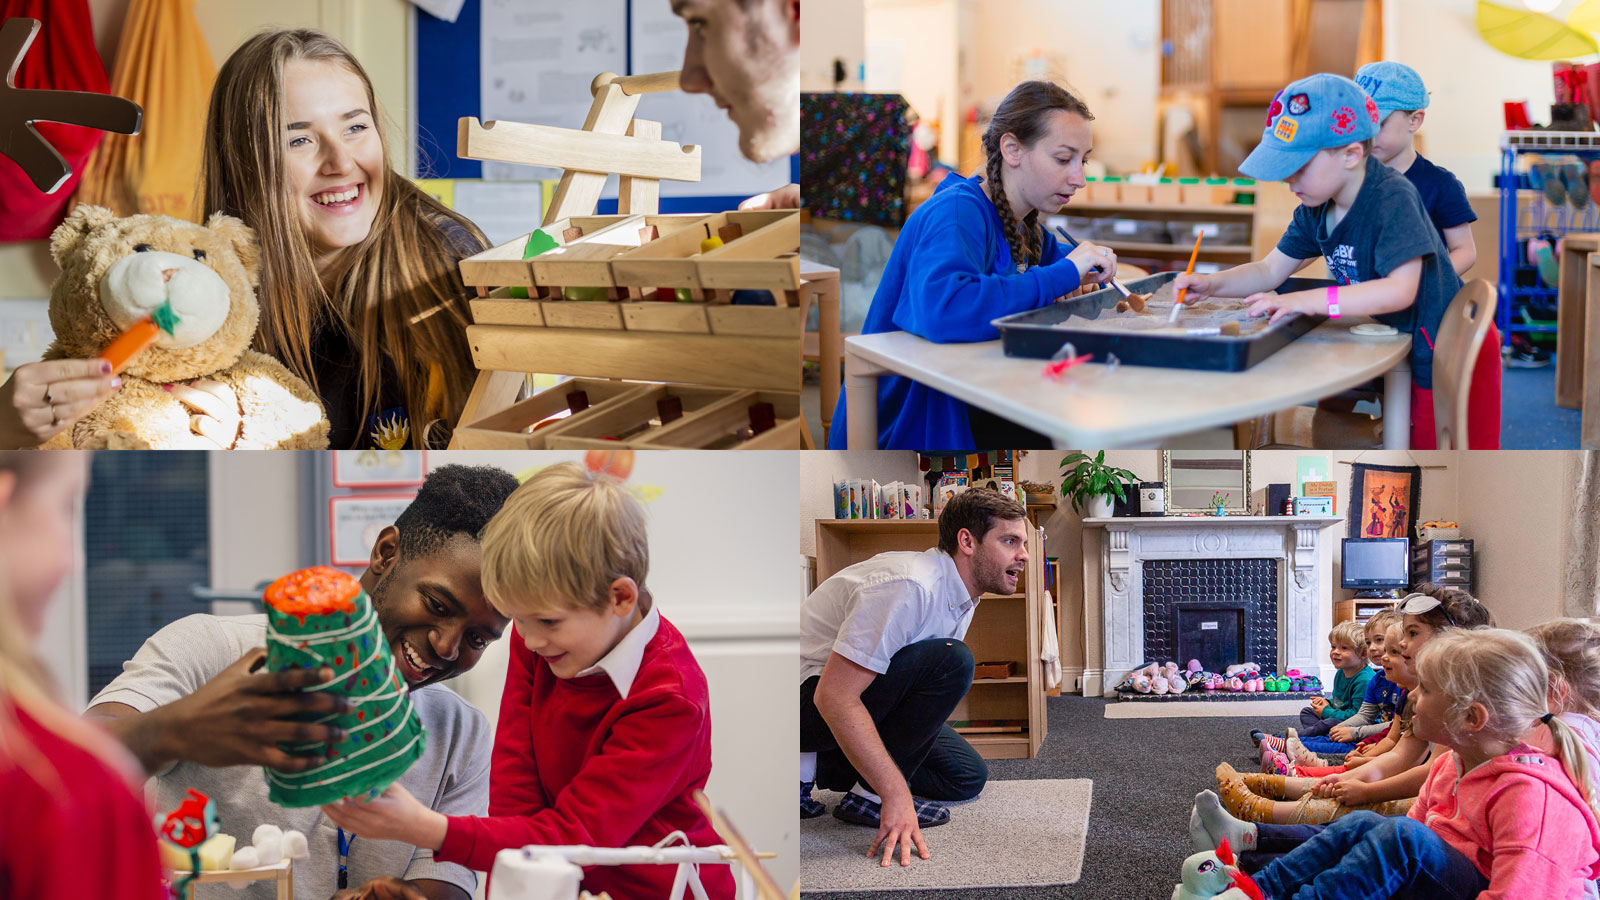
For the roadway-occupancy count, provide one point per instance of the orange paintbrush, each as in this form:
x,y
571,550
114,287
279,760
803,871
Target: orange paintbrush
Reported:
x,y
1193,255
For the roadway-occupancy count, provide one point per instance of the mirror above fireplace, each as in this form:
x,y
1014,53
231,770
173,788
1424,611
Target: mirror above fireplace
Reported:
x,y
1194,477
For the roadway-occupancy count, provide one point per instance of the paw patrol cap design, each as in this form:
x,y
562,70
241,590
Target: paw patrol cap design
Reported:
x,y
1312,114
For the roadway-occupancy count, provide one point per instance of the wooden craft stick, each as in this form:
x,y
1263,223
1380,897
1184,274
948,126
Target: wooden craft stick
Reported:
x,y
765,886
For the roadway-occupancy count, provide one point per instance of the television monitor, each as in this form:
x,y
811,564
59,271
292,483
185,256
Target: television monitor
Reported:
x,y
1375,563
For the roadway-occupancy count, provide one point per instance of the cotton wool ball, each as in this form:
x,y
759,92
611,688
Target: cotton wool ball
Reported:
x,y
269,844
294,845
245,858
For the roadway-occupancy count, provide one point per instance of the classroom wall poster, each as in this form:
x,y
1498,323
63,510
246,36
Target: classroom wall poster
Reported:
x,y
355,521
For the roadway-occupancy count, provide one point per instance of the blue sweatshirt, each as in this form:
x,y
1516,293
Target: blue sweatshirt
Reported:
x,y
1347,694
950,273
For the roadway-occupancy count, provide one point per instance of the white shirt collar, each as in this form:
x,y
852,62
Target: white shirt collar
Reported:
x,y
621,665
960,600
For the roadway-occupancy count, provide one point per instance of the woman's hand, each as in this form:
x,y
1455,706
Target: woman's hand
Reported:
x,y
1095,263
214,407
42,399
393,815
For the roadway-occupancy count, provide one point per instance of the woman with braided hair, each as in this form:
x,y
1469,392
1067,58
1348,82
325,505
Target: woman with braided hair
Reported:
x,y
975,251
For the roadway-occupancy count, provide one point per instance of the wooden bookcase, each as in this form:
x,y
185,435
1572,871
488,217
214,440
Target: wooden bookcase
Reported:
x,y
1003,628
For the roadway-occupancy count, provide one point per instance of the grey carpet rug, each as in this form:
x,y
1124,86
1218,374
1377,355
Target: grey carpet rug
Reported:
x,y
1145,772
1017,833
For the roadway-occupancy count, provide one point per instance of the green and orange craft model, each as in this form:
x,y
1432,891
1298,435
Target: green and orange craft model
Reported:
x,y
139,336
322,617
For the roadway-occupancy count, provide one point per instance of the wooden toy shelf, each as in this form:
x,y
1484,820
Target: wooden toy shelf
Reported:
x,y
603,414
632,297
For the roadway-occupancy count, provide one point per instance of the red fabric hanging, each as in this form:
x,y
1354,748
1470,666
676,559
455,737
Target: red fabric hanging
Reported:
x,y
62,57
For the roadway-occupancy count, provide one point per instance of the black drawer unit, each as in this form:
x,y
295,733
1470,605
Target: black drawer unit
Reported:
x,y
1443,562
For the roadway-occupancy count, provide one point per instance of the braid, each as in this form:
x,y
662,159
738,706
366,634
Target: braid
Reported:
x,y
997,193
1023,114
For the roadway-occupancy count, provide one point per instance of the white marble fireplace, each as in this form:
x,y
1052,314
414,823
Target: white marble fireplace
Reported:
x,y
1127,543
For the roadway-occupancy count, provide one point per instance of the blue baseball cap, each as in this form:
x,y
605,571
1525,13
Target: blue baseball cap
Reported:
x,y
1312,114
1392,86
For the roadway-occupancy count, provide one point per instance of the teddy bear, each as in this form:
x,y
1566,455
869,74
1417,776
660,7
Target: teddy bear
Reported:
x,y
115,271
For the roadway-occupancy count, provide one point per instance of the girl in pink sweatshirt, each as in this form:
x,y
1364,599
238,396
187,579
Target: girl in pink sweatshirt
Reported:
x,y
1497,819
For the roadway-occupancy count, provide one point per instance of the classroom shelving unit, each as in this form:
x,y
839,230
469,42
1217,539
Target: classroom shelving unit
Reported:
x,y
1525,214
632,298
1003,628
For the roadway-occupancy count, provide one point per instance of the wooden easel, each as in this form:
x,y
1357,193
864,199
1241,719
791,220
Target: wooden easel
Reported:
x,y
592,340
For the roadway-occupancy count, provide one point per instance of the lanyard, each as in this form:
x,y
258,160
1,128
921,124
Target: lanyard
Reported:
x,y
344,858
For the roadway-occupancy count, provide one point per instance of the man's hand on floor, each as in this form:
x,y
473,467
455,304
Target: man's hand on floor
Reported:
x,y
899,825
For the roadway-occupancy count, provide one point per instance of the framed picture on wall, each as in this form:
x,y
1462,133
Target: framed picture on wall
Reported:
x,y
379,468
1383,500
355,521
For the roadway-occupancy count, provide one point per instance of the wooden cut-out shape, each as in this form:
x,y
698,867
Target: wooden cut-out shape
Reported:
x,y
578,401
730,232
20,108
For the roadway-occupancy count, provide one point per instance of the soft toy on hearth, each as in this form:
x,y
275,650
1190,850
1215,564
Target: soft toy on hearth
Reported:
x,y
192,288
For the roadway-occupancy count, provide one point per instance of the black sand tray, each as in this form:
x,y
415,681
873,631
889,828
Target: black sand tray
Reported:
x,y
1092,324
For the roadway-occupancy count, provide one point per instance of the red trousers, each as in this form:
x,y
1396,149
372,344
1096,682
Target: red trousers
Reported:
x,y
1483,405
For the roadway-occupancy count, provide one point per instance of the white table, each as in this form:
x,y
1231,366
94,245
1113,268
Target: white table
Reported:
x,y
1136,405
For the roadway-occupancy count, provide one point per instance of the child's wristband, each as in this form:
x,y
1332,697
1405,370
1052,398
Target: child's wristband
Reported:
x,y
1333,301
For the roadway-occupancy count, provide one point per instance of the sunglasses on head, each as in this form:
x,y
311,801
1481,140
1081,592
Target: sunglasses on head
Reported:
x,y
1417,604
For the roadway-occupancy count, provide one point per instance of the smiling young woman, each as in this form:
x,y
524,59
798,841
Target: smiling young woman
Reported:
x,y
360,291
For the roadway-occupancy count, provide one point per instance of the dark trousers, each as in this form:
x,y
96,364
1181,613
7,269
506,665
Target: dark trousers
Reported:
x,y
909,705
1313,725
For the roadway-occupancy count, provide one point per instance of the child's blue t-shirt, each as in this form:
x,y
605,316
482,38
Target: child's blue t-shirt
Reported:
x,y
1442,193
949,275
1385,228
1385,693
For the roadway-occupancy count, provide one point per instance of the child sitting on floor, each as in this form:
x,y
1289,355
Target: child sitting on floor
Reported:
x,y
605,728
1497,816
1368,726
1347,649
1393,778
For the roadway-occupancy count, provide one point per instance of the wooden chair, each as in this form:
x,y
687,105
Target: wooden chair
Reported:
x,y
1456,348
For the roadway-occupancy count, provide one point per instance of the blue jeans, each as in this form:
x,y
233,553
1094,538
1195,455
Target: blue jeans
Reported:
x,y
1365,856
1325,745
1273,841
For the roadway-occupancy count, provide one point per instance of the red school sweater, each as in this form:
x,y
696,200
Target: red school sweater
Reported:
x,y
574,762
72,828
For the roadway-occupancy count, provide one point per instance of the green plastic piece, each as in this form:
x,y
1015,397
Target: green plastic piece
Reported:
x,y
538,242
585,293
164,318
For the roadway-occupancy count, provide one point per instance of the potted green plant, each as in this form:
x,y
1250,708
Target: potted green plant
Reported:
x,y
1090,480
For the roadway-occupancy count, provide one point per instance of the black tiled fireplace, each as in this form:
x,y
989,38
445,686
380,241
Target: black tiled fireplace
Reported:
x,y
1219,611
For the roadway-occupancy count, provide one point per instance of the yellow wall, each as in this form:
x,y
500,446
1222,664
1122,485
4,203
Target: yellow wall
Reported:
x,y
377,31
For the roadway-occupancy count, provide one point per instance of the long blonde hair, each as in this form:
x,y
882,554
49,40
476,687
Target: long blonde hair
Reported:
x,y
1504,671
399,295
1571,650
26,686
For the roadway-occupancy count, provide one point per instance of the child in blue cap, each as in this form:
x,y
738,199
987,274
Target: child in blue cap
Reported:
x,y
976,251
1401,99
1363,218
